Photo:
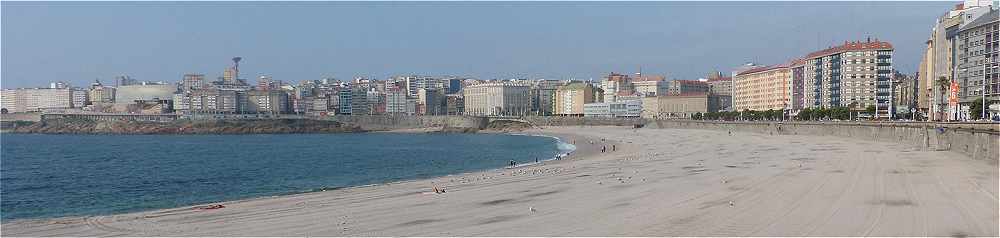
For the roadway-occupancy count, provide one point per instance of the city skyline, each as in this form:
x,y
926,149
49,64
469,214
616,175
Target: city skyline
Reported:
x,y
162,41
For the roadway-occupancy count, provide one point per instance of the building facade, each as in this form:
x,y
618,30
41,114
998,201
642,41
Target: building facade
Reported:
x,y
497,99
100,94
570,98
678,87
395,101
854,75
36,99
270,102
763,88
619,109
193,81
976,64
904,89
430,102
212,101
455,104
650,86
720,85
685,105
615,84
941,58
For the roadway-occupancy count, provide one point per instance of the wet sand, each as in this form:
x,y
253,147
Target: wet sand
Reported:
x,y
659,182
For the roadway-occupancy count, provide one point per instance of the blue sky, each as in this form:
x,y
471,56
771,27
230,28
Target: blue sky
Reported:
x,y
160,41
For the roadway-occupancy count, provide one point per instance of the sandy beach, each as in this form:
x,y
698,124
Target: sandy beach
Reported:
x,y
656,182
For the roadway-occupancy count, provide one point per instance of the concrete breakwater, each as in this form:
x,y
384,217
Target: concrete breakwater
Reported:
x,y
979,141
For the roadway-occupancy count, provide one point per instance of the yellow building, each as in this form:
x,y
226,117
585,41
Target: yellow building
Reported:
x,y
763,88
570,98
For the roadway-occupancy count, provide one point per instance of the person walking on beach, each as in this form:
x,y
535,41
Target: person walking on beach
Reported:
x,y
613,148
604,148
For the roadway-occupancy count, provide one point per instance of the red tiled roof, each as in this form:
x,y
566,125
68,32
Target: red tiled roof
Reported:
x,y
625,93
851,46
690,94
720,79
617,77
764,68
797,62
649,78
690,81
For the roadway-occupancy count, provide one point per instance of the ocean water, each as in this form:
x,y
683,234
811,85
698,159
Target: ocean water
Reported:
x,y
43,176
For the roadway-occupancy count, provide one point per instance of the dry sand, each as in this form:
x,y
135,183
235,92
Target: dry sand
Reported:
x,y
657,183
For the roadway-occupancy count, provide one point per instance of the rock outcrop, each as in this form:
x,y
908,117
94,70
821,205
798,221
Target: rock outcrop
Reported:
x,y
284,126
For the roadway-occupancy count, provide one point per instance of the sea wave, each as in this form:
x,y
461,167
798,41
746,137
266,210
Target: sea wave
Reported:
x,y
564,148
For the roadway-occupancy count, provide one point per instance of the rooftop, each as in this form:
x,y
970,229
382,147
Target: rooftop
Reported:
x,y
720,79
649,78
685,95
764,69
851,46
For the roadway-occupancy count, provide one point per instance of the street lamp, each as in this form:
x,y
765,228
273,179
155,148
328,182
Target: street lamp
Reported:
x,y
985,83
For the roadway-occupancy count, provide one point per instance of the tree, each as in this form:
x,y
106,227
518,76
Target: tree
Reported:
x,y
803,114
821,113
943,83
840,113
976,109
870,110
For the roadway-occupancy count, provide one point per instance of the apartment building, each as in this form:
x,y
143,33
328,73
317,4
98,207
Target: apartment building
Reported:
x,y
570,98
763,88
976,64
615,84
685,105
271,102
497,99
678,87
619,109
212,101
650,86
855,74
36,99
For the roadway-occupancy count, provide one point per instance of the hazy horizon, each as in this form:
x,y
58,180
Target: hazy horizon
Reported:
x,y
78,42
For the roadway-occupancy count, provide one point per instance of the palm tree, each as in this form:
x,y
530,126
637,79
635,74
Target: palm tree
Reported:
x,y
943,83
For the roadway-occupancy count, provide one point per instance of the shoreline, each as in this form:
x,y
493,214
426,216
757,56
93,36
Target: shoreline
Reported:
x,y
658,182
329,189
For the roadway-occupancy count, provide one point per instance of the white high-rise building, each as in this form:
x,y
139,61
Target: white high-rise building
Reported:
x,y
497,99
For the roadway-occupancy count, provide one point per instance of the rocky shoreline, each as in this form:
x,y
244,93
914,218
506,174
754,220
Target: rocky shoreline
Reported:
x,y
82,126
260,126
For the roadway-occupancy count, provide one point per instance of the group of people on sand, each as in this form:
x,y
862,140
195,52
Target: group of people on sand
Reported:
x,y
605,147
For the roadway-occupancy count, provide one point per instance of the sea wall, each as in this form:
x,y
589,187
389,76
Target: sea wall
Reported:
x,y
581,121
979,141
390,122
21,116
